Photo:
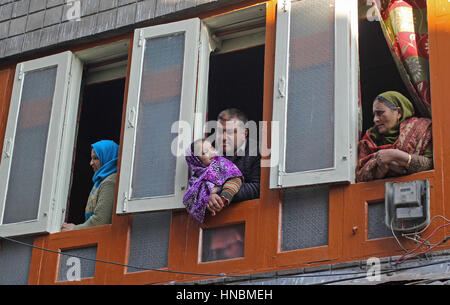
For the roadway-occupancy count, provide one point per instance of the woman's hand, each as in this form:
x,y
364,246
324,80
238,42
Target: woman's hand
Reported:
x,y
67,227
391,159
386,156
397,168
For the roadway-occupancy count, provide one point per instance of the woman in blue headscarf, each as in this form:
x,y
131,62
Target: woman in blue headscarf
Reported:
x,y
99,207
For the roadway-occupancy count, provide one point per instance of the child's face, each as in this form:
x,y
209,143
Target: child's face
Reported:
x,y
207,153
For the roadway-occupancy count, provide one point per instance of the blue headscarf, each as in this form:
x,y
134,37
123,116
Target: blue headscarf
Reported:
x,y
107,152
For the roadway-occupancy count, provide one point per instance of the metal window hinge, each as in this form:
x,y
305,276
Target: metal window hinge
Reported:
x,y
284,6
125,202
281,87
8,147
280,177
132,117
20,76
141,38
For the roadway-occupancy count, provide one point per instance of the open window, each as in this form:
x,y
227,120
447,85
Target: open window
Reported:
x,y
34,171
375,60
315,93
394,56
161,99
178,71
99,117
236,63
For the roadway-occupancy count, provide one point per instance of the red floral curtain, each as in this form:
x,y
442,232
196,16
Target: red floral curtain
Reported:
x,y
405,26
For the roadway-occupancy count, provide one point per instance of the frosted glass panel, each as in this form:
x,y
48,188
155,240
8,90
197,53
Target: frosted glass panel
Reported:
x,y
68,263
310,110
149,241
376,225
159,107
15,260
223,243
305,217
27,164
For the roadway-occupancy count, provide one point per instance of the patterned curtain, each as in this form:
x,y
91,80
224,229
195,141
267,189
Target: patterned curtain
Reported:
x,y
405,26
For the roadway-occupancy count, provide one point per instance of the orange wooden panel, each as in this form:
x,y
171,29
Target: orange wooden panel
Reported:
x,y
37,258
355,234
120,253
439,49
99,236
244,212
6,84
440,7
321,254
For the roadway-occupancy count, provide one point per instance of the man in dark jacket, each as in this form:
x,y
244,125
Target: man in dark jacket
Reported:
x,y
233,141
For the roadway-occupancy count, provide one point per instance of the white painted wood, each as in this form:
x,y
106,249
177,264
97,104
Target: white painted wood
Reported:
x,y
346,98
191,28
56,166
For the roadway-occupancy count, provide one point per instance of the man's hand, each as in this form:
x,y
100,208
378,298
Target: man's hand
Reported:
x,y
67,227
215,204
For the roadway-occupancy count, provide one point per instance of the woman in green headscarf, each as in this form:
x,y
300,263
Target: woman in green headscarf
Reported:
x,y
398,144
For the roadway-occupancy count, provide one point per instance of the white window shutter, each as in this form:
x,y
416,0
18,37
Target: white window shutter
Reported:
x,y
33,172
314,93
162,91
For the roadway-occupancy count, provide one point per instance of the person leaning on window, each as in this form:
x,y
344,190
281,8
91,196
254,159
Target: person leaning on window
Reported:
x,y
99,207
234,142
398,144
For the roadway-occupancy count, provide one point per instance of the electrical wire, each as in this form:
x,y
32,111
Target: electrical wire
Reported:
x,y
114,263
416,238
395,236
399,260
387,272
424,229
164,270
362,274
171,271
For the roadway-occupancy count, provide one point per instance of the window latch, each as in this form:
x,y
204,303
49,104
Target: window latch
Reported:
x,y
20,75
281,174
285,6
132,117
141,38
125,202
281,87
8,146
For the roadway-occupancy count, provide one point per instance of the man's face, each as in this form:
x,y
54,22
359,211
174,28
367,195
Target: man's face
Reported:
x,y
231,134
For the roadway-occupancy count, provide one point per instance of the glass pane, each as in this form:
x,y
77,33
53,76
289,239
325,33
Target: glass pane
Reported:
x,y
223,243
159,107
72,267
15,260
305,217
310,110
27,164
149,241
376,222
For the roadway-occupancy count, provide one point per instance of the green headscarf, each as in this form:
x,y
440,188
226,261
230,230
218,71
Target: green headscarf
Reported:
x,y
399,100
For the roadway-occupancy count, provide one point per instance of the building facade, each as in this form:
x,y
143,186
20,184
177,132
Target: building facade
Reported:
x,y
127,70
